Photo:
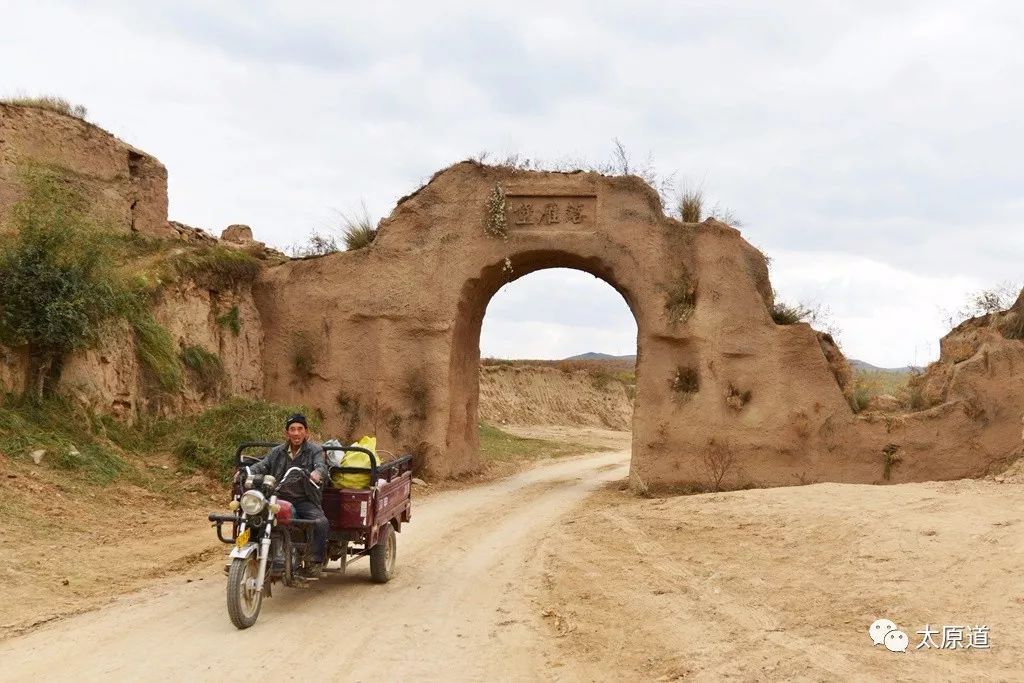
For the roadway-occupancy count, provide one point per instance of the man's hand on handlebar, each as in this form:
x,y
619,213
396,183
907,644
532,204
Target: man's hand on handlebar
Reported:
x,y
315,477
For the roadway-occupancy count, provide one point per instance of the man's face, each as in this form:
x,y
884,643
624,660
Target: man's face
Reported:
x,y
296,434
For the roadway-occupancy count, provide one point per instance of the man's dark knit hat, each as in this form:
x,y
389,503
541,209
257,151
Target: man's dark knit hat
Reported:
x,y
297,417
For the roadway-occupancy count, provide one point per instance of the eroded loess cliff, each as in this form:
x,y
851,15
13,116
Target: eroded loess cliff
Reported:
x,y
201,339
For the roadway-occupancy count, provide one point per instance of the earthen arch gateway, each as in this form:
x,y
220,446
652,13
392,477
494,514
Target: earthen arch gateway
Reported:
x,y
386,339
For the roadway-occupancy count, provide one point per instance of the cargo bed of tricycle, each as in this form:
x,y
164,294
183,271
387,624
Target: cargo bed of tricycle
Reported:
x,y
387,499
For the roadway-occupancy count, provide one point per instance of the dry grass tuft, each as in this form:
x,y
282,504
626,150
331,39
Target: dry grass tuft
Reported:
x,y
359,229
51,102
682,299
686,381
205,368
785,314
691,206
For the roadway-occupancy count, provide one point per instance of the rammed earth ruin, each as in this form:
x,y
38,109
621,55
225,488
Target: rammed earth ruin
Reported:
x,y
389,334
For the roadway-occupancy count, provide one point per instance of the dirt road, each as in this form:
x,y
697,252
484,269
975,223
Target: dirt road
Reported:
x,y
463,605
556,574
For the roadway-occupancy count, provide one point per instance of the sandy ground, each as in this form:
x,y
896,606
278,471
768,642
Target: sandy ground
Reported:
x,y
557,574
782,584
68,548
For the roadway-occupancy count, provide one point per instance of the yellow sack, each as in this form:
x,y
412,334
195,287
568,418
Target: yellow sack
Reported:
x,y
352,480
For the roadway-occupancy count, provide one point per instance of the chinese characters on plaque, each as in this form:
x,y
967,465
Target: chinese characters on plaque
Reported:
x,y
569,212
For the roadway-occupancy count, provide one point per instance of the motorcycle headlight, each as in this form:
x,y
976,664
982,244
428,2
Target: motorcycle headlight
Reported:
x,y
253,502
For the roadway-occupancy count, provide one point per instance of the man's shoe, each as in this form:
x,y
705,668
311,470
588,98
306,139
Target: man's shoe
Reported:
x,y
313,571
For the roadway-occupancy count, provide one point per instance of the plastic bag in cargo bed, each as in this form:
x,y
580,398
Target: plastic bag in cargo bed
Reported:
x,y
355,480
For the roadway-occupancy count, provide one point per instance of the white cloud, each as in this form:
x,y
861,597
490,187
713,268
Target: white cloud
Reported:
x,y
886,316
887,132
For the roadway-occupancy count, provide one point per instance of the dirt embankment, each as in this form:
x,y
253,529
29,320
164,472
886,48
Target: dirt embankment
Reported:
x,y
523,394
69,547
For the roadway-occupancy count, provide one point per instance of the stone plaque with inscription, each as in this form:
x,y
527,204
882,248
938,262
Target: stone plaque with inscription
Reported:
x,y
550,212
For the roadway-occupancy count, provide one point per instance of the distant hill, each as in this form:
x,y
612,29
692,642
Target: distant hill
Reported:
x,y
591,355
857,365
868,367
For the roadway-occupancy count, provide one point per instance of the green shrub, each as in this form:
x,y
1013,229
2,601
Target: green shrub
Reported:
x,y
57,104
57,284
861,393
207,441
890,458
205,367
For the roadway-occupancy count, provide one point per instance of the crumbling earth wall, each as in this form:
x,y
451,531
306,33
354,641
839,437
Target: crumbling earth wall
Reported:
x,y
386,339
126,191
127,187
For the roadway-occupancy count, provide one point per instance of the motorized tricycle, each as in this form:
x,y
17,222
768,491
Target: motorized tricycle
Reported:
x,y
271,544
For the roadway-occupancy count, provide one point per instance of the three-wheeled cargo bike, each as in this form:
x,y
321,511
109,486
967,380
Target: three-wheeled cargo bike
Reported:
x,y
271,544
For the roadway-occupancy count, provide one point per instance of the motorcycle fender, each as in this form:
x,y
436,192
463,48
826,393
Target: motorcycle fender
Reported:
x,y
245,551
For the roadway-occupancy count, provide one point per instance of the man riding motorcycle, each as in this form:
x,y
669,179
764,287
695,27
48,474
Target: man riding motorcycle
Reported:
x,y
298,451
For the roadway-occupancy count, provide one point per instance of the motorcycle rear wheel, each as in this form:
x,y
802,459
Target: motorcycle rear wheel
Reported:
x,y
382,556
244,602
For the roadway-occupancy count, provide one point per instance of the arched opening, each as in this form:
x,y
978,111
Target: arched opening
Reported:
x,y
463,437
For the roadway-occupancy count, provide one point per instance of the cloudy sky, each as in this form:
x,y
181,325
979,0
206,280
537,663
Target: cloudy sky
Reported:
x,y
872,149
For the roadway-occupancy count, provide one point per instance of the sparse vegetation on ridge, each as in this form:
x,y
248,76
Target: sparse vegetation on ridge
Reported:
x,y
319,244
214,267
51,102
621,164
359,229
691,206
786,314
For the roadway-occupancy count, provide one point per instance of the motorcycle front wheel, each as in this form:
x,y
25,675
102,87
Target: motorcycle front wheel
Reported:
x,y
244,601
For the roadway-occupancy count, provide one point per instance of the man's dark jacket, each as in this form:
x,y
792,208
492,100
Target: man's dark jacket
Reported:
x,y
310,458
